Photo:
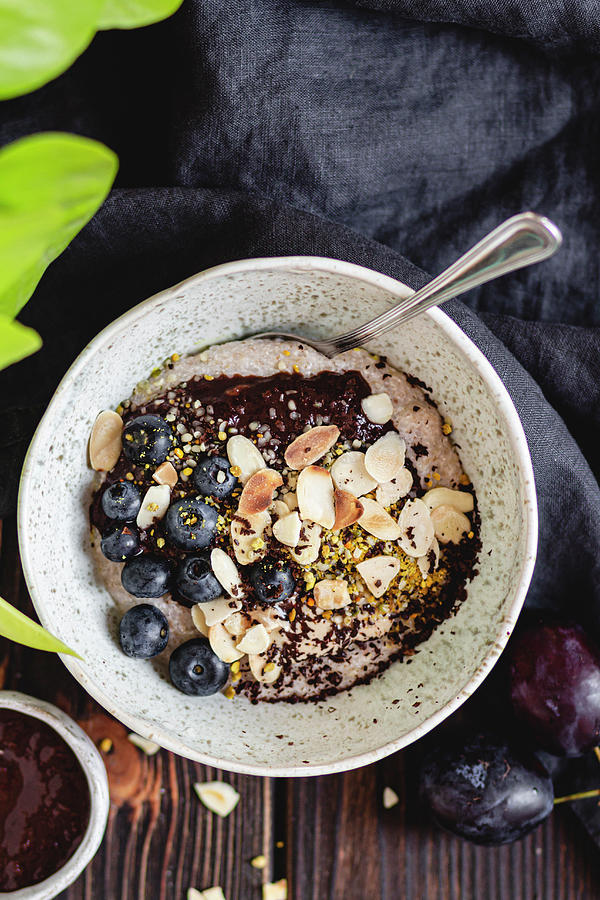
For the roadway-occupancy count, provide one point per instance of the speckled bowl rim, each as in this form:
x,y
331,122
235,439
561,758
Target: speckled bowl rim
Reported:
x,y
518,444
95,772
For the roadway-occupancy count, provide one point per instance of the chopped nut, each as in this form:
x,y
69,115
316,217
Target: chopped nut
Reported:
x,y
307,549
350,474
331,593
106,745
218,796
378,408
223,643
378,522
259,862
263,671
390,798
258,492
385,458
311,446
279,508
218,610
226,573
276,890
315,496
460,500
450,525
166,474
287,529
347,509
150,748
391,491
416,528
245,530
154,505
105,441
291,500
378,572
245,455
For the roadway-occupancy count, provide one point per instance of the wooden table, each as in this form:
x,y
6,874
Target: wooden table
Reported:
x,y
330,836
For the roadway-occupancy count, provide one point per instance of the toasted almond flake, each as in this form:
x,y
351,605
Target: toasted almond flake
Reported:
x,y
213,893
385,458
331,593
315,496
245,532
237,625
378,572
255,640
275,890
258,492
218,610
429,563
287,529
350,474
460,500
450,525
291,500
309,447
263,671
391,491
279,508
416,528
347,509
105,441
226,573
378,408
154,505
307,549
166,474
241,452
259,862
377,521
390,798
199,620
147,747
223,643
218,796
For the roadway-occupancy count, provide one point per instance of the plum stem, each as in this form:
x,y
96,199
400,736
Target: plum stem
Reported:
x,y
583,795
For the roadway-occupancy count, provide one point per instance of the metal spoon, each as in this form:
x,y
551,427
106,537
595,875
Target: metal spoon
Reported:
x,y
519,241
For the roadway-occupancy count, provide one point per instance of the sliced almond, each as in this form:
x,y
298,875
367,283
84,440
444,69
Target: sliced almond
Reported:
x,y
258,492
378,408
377,521
263,670
349,473
287,529
226,573
291,500
315,496
199,620
378,572
218,796
223,643
311,446
460,500
275,890
429,563
269,617
105,441
193,894
416,528
347,509
450,525
390,492
385,458
331,593
166,474
307,549
237,624
390,798
218,610
241,452
279,508
246,537
150,748
255,640
154,505
213,893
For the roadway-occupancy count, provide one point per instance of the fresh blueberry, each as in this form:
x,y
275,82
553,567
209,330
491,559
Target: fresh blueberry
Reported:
x,y
146,576
196,669
121,501
213,478
143,632
147,440
272,580
120,543
190,524
195,580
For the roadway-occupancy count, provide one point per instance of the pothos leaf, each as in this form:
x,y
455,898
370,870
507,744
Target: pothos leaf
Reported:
x,y
16,341
135,13
16,626
50,186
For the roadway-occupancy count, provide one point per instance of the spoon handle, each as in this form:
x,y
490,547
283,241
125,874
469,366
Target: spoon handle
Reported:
x,y
517,242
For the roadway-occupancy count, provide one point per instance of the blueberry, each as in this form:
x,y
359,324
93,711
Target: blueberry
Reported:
x,y
120,543
147,440
213,478
190,524
196,669
272,580
195,580
143,632
121,501
146,576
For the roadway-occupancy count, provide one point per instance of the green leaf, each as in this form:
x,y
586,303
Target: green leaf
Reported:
x,y
135,13
16,341
50,186
15,626
39,39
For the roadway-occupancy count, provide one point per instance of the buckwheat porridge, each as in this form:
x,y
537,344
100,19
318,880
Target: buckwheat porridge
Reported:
x,y
278,524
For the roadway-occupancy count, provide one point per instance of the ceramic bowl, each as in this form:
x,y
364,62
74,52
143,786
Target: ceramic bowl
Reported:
x,y
317,297
95,773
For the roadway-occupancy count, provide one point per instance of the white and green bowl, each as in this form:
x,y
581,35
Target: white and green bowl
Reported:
x,y
317,297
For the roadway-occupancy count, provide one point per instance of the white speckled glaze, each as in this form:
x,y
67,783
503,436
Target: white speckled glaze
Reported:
x,y
95,773
317,297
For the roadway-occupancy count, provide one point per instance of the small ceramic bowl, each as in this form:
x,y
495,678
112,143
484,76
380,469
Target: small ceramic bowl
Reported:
x,y
95,773
317,297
